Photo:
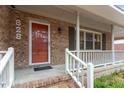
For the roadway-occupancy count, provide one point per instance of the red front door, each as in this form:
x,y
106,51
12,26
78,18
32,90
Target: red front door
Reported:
x,y
39,43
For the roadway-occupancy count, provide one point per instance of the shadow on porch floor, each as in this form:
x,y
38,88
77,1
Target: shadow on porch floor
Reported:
x,y
28,74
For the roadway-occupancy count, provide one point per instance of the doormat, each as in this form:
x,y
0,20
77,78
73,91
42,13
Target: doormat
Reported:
x,y
42,68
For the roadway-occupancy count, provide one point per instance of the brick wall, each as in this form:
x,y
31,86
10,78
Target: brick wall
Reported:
x,y
108,41
59,41
119,46
4,27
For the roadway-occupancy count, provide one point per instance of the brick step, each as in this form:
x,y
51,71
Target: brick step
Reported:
x,y
64,84
63,81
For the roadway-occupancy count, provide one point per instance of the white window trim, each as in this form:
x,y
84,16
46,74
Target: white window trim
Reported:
x,y
93,32
30,43
90,31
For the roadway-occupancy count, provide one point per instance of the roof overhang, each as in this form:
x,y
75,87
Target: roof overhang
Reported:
x,y
106,12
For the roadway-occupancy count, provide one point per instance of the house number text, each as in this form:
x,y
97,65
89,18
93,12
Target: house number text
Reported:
x,y
18,29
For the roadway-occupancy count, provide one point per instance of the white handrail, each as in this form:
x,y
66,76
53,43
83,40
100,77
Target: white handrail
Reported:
x,y
7,69
2,52
4,60
76,58
97,51
75,67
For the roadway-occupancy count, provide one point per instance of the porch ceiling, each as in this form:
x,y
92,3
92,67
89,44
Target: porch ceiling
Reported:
x,y
68,14
103,14
68,11
84,12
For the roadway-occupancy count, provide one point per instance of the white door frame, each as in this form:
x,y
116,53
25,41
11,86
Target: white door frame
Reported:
x,y
30,42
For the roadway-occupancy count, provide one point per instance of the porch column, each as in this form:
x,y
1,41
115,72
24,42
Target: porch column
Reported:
x,y
113,48
78,41
78,35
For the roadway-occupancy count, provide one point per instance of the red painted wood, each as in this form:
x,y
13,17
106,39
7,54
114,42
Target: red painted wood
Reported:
x,y
39,43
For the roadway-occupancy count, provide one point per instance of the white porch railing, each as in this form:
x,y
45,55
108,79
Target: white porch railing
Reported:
x,y
76,68
119,56
6,68
98,57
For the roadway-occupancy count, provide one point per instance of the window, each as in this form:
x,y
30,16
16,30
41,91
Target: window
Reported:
x,y
90,40
97,41
81,40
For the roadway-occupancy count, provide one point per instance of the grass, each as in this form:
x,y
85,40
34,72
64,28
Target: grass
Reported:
x,y
115,80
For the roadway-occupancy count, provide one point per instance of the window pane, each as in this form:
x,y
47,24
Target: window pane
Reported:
x,y
81,40
89,41
97,41
97,45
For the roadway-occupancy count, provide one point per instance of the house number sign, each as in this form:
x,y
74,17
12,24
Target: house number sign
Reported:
x,y
18,29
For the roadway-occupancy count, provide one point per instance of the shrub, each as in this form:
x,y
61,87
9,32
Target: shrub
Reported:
x,y
115,80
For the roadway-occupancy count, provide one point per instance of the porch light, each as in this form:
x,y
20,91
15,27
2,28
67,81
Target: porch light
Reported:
x,y
59,30
12,6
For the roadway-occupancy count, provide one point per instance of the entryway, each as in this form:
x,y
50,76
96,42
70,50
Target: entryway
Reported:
x,y
28,75
39,43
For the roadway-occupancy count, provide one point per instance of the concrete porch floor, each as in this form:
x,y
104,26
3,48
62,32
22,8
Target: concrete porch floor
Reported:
x,y
25,78
28,74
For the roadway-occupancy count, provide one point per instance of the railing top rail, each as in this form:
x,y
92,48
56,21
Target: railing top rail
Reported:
x,y
5,59
2,52
119,50
76,58
97,51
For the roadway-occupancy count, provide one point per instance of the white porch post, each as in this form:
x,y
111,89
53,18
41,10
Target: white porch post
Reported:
x,y
78,42
78,34
113,48
90,75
